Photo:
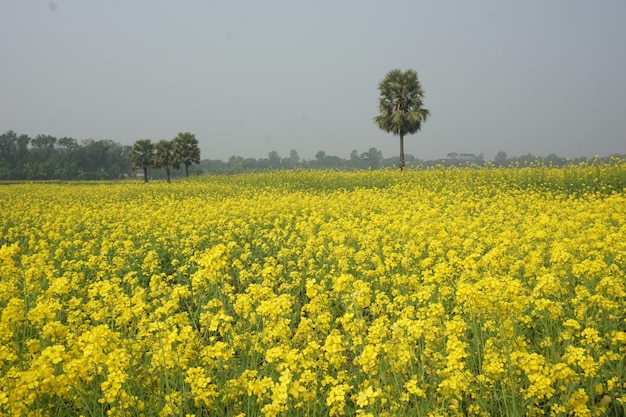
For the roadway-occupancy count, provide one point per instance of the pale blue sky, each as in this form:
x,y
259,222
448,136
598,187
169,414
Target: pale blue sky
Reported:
x,y
249,77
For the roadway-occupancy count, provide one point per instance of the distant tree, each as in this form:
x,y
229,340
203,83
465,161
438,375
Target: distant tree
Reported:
x,y
333,162
67,156
526,160
263,164
274,159
43,157
250,164
320,155
355,160
294,157
8,154
142,156
374,158
8,143
44,144
554,160
212,165
186,151
400,106
164,156
292,161
23,141
67,144
500,159
235,162
103,153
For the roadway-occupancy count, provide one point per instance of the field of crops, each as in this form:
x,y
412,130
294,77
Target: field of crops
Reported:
x,y
376,293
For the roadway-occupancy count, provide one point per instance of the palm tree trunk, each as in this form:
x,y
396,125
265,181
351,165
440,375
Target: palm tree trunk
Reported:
x,y
401,151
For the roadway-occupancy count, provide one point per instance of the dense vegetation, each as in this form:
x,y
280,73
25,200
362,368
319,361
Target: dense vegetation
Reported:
x,y
48,158
313,293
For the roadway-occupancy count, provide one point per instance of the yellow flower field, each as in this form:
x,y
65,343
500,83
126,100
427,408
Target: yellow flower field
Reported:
x,y
376,293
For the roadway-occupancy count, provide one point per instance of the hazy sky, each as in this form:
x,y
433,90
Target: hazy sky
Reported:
x,y
249,77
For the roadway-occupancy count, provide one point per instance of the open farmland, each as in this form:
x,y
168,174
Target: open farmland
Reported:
x,y
426,293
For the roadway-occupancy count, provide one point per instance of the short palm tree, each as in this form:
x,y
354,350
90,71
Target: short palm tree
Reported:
x,y
142,156
164,156
186,151
400,105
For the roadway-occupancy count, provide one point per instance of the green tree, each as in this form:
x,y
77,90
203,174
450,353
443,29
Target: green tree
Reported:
x,y
294,158
235,162
8,154
274,159
142,156
355,159
186,151
164,156
500,159
374,158
400,106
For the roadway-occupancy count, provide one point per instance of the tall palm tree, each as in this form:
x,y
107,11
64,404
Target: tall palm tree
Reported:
x,y
142,156
400,105
186,151
164,156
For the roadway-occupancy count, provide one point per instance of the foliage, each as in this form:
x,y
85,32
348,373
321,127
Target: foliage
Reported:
x,y
45,157
164,156
186,151
371,293
106,159
142,156
401,110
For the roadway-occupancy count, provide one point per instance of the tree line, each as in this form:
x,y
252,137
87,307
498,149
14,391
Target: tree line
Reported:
x,y
45,157
48,158
183,150
373,159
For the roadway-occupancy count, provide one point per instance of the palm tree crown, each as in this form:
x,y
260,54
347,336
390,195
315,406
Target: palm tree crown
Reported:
x,y
142,156
186,151
400,105
164,156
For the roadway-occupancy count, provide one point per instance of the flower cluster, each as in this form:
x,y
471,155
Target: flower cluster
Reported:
x,y
437,292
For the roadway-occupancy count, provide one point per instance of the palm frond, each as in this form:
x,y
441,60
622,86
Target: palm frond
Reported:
x,y
400,103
